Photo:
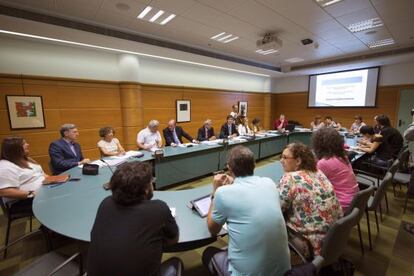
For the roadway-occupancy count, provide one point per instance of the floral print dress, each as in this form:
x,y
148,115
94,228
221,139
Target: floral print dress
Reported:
x,y
310,205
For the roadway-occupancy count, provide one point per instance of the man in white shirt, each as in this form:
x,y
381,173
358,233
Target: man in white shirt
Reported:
x,y
150,138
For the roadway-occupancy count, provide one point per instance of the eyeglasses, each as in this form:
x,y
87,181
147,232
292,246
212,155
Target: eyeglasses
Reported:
x,y
286,157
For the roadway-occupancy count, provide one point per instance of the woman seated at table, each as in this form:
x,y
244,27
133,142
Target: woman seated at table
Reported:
x,y
109,145
243,126
372,144
356,125
20,175
328,146
257,126
317,123
308,200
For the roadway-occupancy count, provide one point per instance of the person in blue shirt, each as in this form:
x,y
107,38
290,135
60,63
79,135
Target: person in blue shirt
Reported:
x,y
250,207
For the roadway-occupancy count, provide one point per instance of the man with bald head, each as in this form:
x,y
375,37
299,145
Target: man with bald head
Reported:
x,y
173,134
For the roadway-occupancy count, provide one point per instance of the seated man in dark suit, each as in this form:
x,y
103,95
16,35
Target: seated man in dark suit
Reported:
x,y
206,132
173,134
229,129
66,153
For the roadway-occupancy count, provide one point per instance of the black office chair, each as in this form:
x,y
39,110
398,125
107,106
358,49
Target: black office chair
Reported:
x,y
172,267
360,201
410,190
49,264
13,210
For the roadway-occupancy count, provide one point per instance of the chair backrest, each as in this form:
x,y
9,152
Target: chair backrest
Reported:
x,y
337,237
394,167
360,200
404,158
410,189
382,188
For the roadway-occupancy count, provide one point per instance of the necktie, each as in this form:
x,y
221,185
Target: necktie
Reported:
x,y
175,137
229,126
206,133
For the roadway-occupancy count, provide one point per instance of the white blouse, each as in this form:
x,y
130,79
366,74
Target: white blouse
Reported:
x,y
243,130
13,176
109,146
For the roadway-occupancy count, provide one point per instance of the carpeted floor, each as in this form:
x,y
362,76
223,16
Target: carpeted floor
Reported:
x,y
392,253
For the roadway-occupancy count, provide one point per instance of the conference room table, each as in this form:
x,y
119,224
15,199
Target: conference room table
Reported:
x,y
70,208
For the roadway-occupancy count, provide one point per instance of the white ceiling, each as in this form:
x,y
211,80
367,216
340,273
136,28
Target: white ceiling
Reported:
x,y
290,20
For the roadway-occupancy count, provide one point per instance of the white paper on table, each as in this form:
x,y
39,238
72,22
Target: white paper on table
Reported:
x,y
212,143
96,162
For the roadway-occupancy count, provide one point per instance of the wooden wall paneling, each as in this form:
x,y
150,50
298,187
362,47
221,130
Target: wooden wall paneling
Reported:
x,y
132,113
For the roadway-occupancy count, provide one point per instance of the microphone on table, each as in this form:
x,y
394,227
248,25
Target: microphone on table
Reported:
x,y
106,186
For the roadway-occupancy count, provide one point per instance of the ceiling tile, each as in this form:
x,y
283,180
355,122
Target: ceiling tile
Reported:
x,y
347,6
222,5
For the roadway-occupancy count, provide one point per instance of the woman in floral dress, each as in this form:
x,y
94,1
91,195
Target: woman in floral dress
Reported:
x,y
308,200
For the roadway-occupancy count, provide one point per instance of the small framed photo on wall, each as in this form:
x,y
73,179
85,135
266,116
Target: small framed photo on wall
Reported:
x,y
242,108
183,108
25,112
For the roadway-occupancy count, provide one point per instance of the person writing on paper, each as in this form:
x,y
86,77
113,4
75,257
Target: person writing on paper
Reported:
x,y
174,134
150,138
20,175
235,111
243,127
132,243
206,132
66,153
374,145
229,130
356,126
109,145
329,122
257,126
281,123
250,206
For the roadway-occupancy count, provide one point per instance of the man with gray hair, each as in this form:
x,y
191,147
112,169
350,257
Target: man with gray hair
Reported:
x,y
66,153
206,132
250,206
150,138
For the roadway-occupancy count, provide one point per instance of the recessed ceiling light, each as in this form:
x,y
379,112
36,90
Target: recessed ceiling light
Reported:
x,y
381,43
365,25
266,52
294,60
224,37
325,3
154,15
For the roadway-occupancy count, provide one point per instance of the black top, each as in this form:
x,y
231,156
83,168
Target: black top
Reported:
x,y
201,136
169,135
128,240
224,132
393,141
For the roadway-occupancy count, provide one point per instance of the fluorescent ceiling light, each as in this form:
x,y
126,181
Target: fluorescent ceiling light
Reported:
x,y
231,39
224,37
144,12
168,19
365,25
293,60
129,52
155,17
217,36
381,43
267,52
325,3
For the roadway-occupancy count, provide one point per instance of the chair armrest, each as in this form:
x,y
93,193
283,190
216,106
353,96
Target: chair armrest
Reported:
x,y
366,178
5,247
356,171
62,265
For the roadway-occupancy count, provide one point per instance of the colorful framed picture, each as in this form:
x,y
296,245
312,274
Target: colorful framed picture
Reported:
x,y
183,108
25,112
243,108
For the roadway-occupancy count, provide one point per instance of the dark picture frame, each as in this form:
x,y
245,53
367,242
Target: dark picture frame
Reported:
x,y
25,112
242,108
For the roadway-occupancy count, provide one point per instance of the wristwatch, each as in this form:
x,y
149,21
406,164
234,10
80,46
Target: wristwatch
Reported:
x,y
212,196
30,194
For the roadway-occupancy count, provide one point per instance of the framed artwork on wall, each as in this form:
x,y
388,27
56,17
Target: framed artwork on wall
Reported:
x,y
243,108
25,112
183,108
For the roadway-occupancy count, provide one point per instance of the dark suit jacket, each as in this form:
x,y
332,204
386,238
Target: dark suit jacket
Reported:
x,y
201,136
168,135
62,157
224,132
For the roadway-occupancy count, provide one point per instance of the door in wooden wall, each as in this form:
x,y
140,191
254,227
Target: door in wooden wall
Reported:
x,y
404,111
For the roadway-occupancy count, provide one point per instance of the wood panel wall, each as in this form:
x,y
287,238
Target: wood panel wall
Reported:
x,y
127,107
294,106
